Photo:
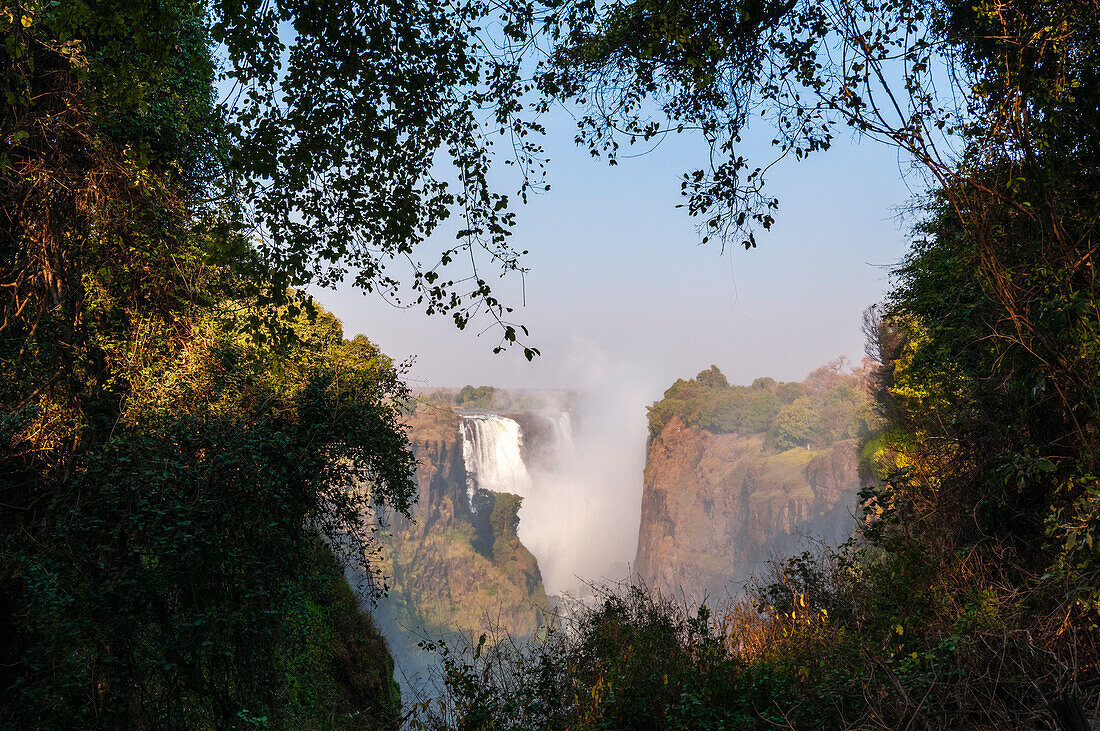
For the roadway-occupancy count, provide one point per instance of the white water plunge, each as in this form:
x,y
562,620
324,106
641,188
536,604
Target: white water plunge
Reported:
x,y
492,449
572,515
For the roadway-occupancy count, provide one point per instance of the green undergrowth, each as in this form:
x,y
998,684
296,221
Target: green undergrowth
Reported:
x,y
339,671
854,639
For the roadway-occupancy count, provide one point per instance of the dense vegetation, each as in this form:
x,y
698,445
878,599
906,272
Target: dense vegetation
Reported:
x,y
495,521
178,430
490,398
178,425
970,597
830,405
339,671
863,640
469,397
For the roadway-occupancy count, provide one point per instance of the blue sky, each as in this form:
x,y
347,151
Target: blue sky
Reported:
x,y
620,289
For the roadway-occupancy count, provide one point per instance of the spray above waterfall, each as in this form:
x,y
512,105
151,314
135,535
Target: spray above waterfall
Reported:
x,y
573,517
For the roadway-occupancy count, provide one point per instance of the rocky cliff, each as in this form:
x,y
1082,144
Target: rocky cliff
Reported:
x,y
716,506
453,570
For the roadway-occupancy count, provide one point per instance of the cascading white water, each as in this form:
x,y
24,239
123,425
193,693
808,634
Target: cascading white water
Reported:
x,y
580,508
492,452
562,425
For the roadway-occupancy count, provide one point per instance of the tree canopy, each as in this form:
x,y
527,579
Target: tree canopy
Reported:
x,y
827,407
178,422
167,467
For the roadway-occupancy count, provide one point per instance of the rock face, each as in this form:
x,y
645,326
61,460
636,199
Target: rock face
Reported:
x,y
716,506
453,570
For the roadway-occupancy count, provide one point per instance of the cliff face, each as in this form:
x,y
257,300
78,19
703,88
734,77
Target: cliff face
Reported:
x,y
716,506
440,473
454,570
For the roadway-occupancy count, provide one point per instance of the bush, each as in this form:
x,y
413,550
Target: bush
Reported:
x,y
338,668
852,639
469,397
794,425
827,408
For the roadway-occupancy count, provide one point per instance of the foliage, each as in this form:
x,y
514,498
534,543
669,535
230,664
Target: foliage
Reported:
x,y
633,662
794,424
328,153
709,402
166,466
362,128
469,397
832,409
495,520
338,667
642,69
855,639
495,399
162,572
982,444
504,521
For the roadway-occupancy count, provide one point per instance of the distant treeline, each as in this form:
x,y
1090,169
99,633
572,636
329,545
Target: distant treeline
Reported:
x,y
490,398
830,405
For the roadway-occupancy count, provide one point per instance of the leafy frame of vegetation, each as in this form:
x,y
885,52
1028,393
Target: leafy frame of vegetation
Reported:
x,y
167,465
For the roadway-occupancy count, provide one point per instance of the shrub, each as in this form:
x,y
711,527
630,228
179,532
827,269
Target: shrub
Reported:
x,y
829,409
794,425
856,638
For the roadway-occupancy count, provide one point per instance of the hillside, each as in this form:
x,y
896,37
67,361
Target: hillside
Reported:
x,y
737,474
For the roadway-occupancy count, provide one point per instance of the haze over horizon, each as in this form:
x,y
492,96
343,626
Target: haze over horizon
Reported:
x,y
619,288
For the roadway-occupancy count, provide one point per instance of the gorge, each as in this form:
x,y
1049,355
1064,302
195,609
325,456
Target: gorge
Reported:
x,y
716,507
524,503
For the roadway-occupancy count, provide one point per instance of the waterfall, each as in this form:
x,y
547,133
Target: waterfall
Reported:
x,y
492,452
578,515
562,426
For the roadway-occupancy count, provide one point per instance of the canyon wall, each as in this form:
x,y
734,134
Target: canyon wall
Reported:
x,y
715,507
454,570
